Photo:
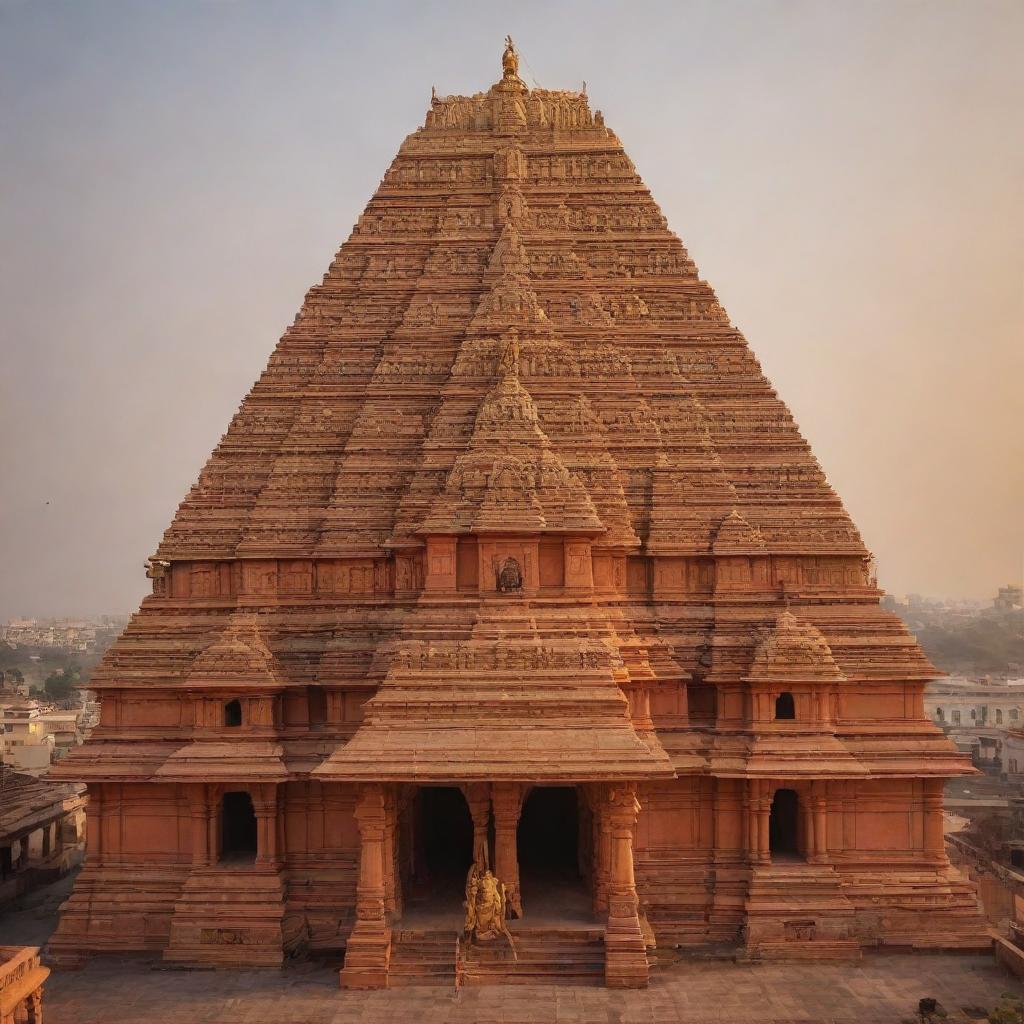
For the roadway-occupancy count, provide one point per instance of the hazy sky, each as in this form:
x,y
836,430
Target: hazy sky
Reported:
x,y
174,176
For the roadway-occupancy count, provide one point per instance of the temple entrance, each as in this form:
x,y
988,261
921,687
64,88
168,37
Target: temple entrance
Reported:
x,y
548,845
784,825
441,846
238,828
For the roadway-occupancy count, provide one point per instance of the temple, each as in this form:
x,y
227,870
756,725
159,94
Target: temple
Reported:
x,y
512,558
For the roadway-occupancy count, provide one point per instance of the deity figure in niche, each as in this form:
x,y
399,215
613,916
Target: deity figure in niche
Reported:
x,y
510,576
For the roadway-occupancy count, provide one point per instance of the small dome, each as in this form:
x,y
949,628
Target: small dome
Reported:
x,y
793,650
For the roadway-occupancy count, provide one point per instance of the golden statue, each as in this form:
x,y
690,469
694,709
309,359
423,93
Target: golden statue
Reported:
x,y
510,60
485,907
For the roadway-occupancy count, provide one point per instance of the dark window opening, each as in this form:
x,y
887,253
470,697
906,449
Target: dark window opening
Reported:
x,y
1017,858
784,706
238,827
317,701
784,824
702,702
233,713
46,841
6,862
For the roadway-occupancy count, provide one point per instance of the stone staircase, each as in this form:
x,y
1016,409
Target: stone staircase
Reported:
x,y
545,957
422,957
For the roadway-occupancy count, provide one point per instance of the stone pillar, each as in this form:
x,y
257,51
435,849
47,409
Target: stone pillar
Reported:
x,y
110,820
602,851
392,886
213,823
764,807
819,809
625,949
934,841
93,818
199,812
478,796
264,803
315,817
805,808
746,837
34,1007
759,805
368,953
507,800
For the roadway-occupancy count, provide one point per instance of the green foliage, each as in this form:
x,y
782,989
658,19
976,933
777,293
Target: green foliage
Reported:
x,y
988,643
60,684
1009,1010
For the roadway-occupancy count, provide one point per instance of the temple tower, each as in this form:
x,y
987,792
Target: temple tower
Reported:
x,y
512,557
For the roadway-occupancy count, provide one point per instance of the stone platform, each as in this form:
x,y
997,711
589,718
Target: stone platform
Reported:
x,y
878,990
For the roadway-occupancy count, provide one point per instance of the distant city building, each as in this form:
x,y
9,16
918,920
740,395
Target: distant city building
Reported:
x,y
977,715
1009,598
64,634
34,734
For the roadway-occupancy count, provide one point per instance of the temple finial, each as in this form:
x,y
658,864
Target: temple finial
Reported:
x,y
510,60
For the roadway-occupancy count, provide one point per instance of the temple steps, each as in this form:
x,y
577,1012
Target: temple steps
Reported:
x,y
781,949
422,958
544,957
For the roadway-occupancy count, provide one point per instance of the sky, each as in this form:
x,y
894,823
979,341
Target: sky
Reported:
x,y
847,175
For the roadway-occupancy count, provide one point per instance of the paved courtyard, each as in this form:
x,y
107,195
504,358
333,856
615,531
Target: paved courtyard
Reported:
x,y
879,990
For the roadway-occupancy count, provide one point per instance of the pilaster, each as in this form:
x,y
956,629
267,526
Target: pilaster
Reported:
x,y
368,954
625,949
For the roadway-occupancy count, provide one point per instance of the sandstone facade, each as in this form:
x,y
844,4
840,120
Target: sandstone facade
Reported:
x,y
514,511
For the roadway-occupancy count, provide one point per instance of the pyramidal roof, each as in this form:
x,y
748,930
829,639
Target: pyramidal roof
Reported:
x,y
512,217
512,358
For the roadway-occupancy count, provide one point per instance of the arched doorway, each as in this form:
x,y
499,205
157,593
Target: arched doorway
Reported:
x,y
548,847
238,828
442,846
784,825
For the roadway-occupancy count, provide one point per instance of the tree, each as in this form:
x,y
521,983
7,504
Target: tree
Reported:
x,y
59,685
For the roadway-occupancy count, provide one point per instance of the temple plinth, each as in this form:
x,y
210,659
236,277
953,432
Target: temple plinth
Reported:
x,y
512,557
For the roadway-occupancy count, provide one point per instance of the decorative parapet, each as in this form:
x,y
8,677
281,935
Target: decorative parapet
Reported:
x,y
21,983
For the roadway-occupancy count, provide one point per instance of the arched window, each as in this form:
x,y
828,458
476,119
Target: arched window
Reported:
x,y
974,715
938,715
956,717
233,713
1014,714
999,716
784,706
